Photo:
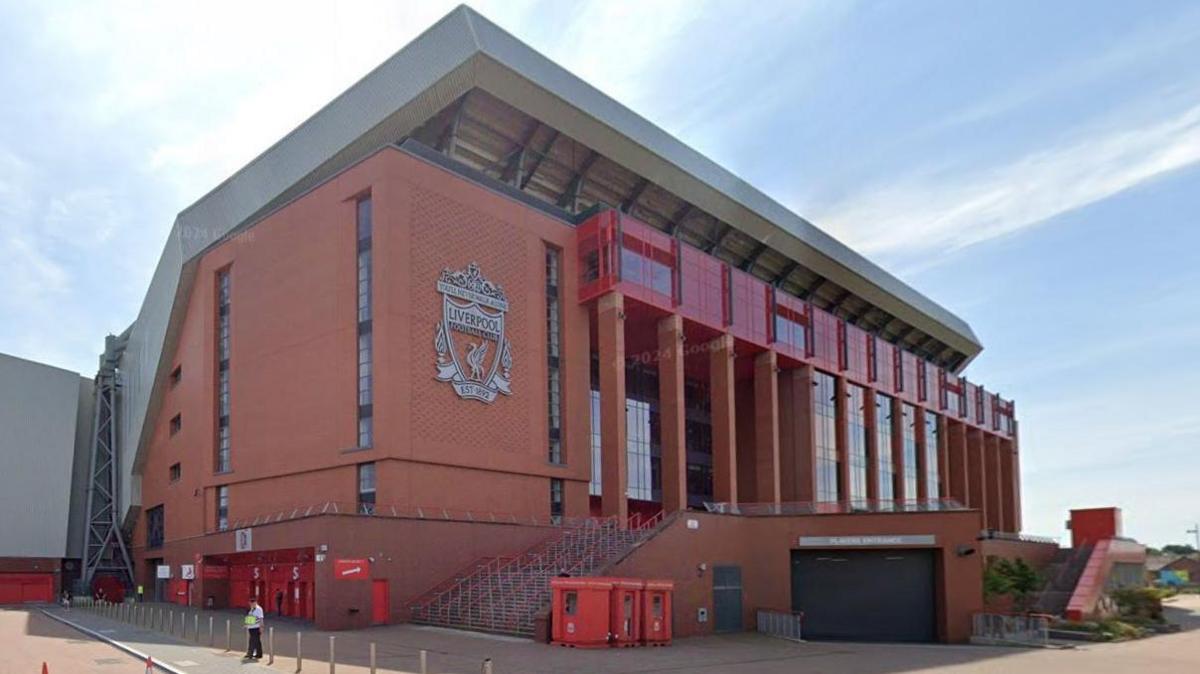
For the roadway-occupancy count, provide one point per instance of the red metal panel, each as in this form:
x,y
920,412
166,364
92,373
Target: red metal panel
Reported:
x,y
826,340
750,304
971,411
596,246
910,368
856,353
885,365
20,588
701,287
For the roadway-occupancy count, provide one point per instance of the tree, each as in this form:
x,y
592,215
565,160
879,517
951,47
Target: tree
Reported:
x,y
1014,578
1177,549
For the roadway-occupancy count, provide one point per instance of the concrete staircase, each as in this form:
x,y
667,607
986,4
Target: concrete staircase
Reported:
x,y
505,594
1062,575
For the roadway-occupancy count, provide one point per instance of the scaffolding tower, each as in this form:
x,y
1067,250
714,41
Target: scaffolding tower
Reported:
x,y
105,551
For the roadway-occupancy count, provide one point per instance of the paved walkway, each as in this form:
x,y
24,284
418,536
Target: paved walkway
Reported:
x,y
449,651
179,653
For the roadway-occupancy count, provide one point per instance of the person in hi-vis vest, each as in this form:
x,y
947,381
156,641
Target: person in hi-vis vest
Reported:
x,y
254,622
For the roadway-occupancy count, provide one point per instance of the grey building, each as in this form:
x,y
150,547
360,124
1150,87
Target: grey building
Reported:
x,y
45,425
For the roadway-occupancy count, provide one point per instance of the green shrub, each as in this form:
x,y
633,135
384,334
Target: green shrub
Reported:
x,y
1014,578
1139,602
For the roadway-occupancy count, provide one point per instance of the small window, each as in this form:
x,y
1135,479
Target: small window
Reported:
x,y
556,500
657,609
571,603
366,489
176,375
222,508
176,472
176,423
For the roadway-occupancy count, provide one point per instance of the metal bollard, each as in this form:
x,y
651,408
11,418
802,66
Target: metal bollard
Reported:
x,y
196,627
171,621
270,645
228,637
210,632
372,657
299,662
487,666
332,659
424,662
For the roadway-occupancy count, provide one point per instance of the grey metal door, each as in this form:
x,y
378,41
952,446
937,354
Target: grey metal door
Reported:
x,y
865,595
727,598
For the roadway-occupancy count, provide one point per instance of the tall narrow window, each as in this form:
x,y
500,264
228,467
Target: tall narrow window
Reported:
x,y
857,445
366,488
556,500
365,390
594,486
553,355
825,419
155,527
223,462
222,508
933,485
883,449
910,450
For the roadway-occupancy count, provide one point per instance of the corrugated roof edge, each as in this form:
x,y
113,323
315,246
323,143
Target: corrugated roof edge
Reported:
x,y
469,29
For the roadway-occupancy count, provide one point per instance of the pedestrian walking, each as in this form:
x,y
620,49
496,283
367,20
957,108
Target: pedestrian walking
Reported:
x,y
254,623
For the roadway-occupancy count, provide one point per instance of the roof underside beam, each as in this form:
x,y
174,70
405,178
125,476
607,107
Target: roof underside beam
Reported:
x,y
541,157
570,197
630,201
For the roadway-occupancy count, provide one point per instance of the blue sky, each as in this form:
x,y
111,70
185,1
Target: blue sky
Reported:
x,y
1032,166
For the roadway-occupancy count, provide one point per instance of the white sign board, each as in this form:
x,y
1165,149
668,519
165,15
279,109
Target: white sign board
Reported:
x,y
187,571
164,571
865,541
242,540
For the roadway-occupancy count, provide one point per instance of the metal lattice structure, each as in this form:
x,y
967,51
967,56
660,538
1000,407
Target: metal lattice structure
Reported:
x,y
505,594
105,550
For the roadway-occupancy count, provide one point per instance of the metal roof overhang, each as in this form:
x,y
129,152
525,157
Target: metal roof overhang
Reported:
x,y
461,52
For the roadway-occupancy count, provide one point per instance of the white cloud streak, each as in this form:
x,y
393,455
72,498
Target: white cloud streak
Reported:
x,y
943,210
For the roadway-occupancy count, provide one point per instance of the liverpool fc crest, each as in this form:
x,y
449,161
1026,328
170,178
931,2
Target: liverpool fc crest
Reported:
x,y
472,352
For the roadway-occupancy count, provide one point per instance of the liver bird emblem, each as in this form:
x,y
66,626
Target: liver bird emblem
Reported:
x,y
475,355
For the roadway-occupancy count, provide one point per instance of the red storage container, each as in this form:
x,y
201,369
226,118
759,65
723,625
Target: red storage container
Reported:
x,y
626,605
579,611
656,612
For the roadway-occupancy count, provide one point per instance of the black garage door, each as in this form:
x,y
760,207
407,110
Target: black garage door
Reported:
x,y
865,595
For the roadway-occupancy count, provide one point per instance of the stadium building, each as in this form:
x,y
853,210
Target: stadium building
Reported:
x,y
475,324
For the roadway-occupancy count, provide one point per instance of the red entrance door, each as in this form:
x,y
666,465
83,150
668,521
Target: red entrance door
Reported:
x,y
380,604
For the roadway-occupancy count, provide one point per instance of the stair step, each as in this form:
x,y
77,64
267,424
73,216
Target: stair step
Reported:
x,y
505,596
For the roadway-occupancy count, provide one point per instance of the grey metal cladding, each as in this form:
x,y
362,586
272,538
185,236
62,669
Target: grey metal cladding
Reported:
x,y
79,471
461,51
39,406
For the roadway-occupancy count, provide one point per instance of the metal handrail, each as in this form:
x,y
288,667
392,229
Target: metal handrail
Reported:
x,y
791,508
991,534
405,512
1030,629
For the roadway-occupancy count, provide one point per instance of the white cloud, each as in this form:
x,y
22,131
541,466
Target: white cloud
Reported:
x,y
940,210
28,275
